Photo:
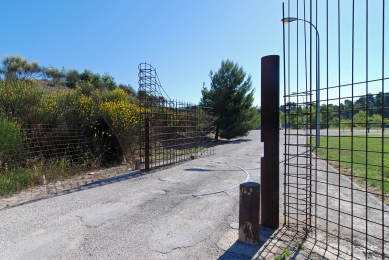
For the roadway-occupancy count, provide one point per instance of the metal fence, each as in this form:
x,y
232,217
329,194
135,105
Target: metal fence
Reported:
x,y
170,131
336,109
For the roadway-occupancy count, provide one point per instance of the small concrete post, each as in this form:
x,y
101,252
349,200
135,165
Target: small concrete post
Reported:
x,y
137,164
249,213
42,179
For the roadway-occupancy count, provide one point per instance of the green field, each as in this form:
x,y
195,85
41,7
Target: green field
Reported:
x,y
363,158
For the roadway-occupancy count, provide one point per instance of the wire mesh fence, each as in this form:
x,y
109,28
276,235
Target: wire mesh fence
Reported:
x,y
336,108
170,131
58,132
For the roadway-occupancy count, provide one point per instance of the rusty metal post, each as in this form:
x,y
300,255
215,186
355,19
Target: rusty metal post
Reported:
x,y
249,199
147,144
270,100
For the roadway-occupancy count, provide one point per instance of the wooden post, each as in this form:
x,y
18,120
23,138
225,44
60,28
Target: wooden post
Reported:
x,y
249,200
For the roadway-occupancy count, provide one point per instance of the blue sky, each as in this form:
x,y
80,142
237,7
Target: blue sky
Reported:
x,y
183,40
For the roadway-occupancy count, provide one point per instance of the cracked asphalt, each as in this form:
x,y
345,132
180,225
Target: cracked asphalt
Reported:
x,y
147,216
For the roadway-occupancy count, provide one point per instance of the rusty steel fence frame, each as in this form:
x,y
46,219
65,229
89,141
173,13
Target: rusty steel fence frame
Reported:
x,y
336,191
170,131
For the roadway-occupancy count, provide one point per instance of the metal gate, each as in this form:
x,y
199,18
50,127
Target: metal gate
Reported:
x,y
170,131
336,114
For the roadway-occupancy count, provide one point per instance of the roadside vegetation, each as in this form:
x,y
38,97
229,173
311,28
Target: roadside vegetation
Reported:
x,y
60,122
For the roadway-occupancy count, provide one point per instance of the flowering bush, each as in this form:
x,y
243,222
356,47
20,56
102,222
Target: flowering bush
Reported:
x,y
21,99
121,115
76,108
107,120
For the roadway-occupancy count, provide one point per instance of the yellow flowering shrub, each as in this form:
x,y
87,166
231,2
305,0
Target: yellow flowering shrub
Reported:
x,y
114,95
121,115
76,108
47,111
20,98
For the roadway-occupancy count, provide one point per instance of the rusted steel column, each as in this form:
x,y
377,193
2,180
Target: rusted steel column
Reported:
x,y
147,144
249,199
270,103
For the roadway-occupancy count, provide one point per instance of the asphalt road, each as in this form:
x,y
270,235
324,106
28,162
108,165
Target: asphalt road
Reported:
x,y
142,216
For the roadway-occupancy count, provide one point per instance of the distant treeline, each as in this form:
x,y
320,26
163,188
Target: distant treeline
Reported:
x,y
371,110
14,67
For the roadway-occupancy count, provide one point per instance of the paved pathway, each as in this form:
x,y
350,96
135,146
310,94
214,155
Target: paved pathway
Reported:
x,y
150,216
157,216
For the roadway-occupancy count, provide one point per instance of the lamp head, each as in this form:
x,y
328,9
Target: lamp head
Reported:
x,y
287,20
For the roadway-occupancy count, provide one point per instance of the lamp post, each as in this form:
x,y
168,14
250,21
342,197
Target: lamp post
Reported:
x,y
287,20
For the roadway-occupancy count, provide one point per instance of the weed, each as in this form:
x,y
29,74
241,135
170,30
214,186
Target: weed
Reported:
x,y
285,254
298,245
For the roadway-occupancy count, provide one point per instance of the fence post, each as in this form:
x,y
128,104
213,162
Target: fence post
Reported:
x,y
147,144
249,213
270,99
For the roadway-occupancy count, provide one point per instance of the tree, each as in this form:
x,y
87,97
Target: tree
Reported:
x,y
15,67
360,118
54,75
72,77
231,96
326,115
87,76
108,81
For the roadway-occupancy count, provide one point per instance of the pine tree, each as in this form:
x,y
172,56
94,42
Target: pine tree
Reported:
x,y
231,96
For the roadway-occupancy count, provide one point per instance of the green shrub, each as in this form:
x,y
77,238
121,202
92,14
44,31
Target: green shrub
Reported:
x,y
11,143
13,181
86,88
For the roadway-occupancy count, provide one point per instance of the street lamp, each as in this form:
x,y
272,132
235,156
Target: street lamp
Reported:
x,y
287,20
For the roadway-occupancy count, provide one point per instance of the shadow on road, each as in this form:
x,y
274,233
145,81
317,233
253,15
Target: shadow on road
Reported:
x,y
198,170
68,190
237,141
240,250
275,243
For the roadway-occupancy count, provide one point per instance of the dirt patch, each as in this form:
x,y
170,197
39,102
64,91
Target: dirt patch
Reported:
x,y
60,186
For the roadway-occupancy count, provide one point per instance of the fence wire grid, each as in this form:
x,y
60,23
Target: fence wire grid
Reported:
x,y
336,114
170,131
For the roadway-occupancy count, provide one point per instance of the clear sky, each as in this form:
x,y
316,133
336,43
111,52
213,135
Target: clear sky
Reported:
x,y
361,55
183,40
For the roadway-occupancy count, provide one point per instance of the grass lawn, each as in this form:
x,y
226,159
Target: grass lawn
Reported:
x,y
359,156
